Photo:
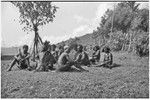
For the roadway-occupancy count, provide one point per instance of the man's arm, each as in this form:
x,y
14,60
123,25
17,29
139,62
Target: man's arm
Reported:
x,y
78,58
110,60
68,58
16,57
28,63
28,56
97,54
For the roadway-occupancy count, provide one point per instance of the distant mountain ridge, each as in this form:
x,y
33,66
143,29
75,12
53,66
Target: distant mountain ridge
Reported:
x,y
9,50
85,40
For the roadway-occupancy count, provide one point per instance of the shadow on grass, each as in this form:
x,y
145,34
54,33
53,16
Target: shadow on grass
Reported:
x,y
114,65
72,70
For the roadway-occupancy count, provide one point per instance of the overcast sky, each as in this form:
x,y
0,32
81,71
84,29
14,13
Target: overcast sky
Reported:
x,y
72,19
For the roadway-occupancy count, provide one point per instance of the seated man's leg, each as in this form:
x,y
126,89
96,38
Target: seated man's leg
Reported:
x,y
86,63
33,65
28,65
51,67
64,67
38,68
79,67
108,65
12,64
45,68
24,65
92,61
41,68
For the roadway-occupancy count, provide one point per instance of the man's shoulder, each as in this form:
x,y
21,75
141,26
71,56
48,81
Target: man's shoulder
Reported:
x,y
103,54
28,53
110,54
85,53
64,54
98,51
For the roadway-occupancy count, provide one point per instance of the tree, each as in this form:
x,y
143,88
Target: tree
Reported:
x,y
94,36
35,14
141,21
133,9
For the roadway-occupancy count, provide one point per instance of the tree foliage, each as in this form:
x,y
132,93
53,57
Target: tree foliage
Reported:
x,y
130,25
34,14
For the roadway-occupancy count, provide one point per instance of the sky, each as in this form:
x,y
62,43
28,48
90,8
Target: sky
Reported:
x,y
72,19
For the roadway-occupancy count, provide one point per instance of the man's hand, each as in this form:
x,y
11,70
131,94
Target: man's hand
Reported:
x,y
21,60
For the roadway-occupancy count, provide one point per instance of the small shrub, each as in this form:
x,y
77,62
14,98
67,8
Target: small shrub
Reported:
x,y
142,45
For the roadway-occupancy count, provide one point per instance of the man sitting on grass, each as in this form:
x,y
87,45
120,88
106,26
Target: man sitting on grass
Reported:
x,y
65,63
21,59
96,55
82,57
60,50
54,51
108,58
45,59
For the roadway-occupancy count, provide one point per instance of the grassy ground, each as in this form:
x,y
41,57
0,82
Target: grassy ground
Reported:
x,y
129,80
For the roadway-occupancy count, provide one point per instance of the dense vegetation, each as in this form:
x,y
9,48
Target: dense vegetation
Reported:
x,y
125,28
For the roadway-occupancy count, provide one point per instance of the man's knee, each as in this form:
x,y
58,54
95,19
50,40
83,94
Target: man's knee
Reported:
x,y
70,64
63,68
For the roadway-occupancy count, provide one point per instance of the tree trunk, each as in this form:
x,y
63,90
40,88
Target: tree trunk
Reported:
x,y
36,42
122,49
130,41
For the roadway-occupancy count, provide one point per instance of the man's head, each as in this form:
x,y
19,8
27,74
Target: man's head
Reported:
x,y
94,48
49,47
53,47
45,46
67,49
25,48
80,48
85,48
97,47
60,47
106,49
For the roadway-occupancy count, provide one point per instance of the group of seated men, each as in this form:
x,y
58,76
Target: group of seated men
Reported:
x,y
50,56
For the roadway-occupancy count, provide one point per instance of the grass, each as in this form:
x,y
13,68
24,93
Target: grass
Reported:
x,y
129,80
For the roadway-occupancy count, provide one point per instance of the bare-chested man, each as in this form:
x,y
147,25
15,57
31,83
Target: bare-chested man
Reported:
x,y
65,63
21,59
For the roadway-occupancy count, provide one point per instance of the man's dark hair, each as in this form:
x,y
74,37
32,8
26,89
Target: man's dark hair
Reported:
x,y
60,47
97,47
53,45
45,45
106,49
81,47
25,46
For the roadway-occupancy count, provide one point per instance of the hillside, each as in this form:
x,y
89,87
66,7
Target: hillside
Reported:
x,y
9,50
85,40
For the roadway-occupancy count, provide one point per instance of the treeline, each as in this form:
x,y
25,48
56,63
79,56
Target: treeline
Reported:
x,y
125,28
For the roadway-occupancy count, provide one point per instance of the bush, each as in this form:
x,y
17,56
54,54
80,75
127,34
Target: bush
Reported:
x,y
142,44
116,41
